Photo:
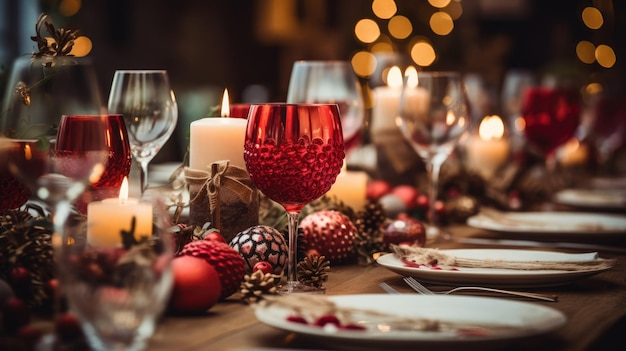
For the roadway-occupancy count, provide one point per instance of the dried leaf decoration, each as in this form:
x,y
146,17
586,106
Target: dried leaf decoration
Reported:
x,y
63,38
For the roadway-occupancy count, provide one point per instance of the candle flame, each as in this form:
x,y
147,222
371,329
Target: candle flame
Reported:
x,y
411,77
225,104
491,127
28,154
124,192
394,77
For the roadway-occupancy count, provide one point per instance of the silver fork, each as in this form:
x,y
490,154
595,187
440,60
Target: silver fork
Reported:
x,y
388,288
417,286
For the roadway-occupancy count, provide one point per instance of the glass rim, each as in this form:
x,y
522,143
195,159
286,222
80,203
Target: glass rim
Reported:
x,y
321,62
140,71
294,104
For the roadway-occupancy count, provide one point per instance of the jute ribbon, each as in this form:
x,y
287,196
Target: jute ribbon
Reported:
x,y
221,175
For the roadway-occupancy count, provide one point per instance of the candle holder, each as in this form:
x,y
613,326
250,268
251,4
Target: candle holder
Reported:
x,y
224,196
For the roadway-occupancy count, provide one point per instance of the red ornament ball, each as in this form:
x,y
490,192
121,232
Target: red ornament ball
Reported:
x,y
405,229
227,262
197,286
264,267
261,243
332,234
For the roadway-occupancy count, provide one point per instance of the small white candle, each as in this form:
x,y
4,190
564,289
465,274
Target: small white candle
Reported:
x,y
387,100
106,219
215,139
489,149
350,187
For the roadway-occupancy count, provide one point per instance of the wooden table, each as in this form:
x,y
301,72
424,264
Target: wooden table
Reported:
x,y
595,308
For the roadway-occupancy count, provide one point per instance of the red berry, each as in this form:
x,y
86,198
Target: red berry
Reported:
x,y
67,327
263,266
297,319
15,314
214,235
327,319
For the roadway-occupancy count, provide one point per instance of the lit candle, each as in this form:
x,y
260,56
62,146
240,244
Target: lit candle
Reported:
x,y
489,149
107,219
350,187
387,100
215,139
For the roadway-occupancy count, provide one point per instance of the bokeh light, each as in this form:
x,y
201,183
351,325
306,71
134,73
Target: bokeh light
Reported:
x,y
423,53
400,27
69,8
363,64
586,52
605,56
592,17
441,23
366,30
384,9
82,46
439,3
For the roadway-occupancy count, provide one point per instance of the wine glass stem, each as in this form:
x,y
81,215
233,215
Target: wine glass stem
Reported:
x,y
292,263
143,176
433,168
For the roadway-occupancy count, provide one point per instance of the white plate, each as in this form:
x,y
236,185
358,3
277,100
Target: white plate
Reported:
x,y
567,223
495,277
513,319
592,198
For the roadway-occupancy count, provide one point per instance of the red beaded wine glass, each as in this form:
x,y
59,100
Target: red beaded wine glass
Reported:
x,y
293,153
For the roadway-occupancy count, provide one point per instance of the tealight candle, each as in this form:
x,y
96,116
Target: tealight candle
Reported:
x,y
350,187
107,219
489,149
214,139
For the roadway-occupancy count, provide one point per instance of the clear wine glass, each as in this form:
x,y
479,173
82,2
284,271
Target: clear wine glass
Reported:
x,y
551,118
433,115
148,104
39,91
115,269
331,82
293,153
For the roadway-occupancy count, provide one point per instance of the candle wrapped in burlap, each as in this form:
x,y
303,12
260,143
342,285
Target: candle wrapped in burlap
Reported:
x,y
225,196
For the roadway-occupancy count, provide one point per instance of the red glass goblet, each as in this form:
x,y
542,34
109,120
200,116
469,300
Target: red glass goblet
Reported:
x,y
118,162
293,153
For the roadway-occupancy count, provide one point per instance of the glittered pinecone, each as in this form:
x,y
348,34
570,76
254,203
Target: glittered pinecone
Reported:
x,y
313,270
26,243
370,231
257,284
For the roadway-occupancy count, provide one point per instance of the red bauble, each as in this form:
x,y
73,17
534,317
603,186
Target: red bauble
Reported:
x,y
214,235
332,234
263,266
405,229
197,285
67,327
408,194
377,189
227,262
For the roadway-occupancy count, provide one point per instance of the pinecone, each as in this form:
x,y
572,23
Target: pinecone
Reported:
x,y
370,231
313,270
26,242
257,284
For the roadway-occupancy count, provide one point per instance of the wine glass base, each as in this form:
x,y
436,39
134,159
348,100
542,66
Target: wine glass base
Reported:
x,y
436,234
299,288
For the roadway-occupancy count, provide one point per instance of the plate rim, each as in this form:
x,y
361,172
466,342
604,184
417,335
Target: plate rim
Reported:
x,y
557,318
487,276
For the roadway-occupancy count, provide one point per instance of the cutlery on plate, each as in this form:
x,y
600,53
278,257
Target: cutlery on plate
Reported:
x,y
417,286
388,288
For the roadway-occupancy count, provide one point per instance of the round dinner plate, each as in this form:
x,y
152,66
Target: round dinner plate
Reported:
x,y
502,321
510,278
563,224
592,198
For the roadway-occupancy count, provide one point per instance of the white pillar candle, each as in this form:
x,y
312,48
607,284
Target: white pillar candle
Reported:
x,y
350,187
487,150
107,219
214,139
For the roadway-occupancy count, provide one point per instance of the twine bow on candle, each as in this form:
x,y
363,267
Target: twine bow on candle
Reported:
x,y
221,175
